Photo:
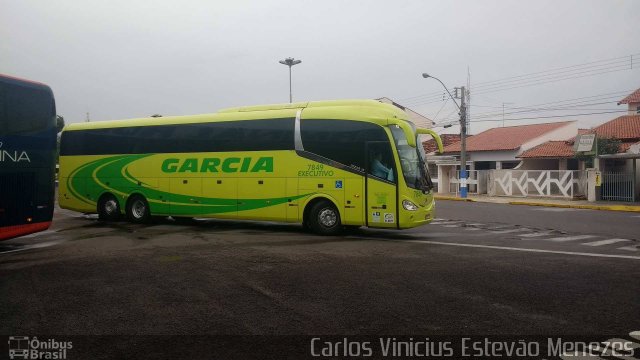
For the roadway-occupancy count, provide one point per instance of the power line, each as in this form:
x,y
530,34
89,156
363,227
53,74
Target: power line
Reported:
x,y
441,107
551,80
555,116
585,101
593,68
546,81
577,71
541,109
630,57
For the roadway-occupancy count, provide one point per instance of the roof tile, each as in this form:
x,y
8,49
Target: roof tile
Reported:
x,y
550,149
505,138
623,127
634,97
447,139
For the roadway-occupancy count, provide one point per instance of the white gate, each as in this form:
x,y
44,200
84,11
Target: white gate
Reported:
x,y
618,186
537,183
476,181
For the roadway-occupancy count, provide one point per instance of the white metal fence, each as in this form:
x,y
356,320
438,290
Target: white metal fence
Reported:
x,y
618,186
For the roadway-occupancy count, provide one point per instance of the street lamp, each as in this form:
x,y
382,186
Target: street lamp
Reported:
x,y
463,135
290,62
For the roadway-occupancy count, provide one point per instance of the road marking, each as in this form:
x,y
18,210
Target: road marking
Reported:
x,y
524,249
571,238
635,334
472,229
605,242
535,234
451,226
475,224
629,248
509,231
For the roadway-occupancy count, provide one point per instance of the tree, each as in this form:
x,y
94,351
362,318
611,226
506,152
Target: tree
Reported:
x,y
608,146
59,122
603,146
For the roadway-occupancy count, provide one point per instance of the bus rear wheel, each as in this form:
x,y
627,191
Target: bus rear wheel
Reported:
x,y
324,219
108,208
138,209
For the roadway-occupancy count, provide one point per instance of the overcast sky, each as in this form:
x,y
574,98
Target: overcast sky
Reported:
x,y
124,59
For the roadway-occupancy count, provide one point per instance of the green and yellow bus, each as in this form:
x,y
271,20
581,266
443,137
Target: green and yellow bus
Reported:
x,y
326,165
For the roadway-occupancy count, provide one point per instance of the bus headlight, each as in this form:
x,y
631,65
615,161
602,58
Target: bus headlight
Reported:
x,y
408,205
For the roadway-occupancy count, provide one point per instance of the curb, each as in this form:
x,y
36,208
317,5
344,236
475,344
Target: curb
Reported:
x,y
627,208
453,198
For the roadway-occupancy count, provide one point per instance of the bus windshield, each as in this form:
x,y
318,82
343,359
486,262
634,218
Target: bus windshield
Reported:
x,y
412,161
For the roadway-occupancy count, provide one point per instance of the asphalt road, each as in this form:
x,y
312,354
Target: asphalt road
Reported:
x,y
478,269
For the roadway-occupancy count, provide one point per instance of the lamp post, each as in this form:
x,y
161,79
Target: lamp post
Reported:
x,y
290,62
463,135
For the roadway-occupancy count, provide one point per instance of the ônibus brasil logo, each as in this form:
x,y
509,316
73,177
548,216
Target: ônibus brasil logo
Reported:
x,y
13,156
24,347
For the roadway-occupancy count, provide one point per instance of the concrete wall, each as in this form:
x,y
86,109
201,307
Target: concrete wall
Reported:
x,y
634,108
539,164
493,156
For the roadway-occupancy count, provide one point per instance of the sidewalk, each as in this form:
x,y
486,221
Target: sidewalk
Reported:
x,y
560,203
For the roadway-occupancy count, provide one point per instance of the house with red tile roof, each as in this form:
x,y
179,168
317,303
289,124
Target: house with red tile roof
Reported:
x,y
626,163
430,145
499,148
496,148
555,154
633,102
625,128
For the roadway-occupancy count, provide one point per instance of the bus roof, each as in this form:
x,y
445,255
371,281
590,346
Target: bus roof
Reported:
x,y
368,110
23,82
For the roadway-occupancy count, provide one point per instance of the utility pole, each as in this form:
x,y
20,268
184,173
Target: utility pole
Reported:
x,y
503,104
463,131
463,143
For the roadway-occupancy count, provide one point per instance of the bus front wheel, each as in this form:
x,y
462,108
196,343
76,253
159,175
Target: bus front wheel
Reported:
x,y
108,208
138,209
324,218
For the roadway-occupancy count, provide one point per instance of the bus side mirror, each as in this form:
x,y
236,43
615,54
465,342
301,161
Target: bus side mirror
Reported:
x,y
406,128
435,137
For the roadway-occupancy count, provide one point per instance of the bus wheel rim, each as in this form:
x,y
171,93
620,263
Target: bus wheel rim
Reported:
x,y
328,217
110,206
138,209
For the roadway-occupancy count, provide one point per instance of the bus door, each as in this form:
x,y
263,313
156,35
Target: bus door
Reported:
x,y
380,185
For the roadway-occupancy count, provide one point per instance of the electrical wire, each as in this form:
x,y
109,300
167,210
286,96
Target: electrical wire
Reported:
x,y
593,68
554,116
615,60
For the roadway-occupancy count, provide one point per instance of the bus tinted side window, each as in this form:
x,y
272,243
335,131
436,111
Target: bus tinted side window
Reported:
x,y
250,135
340,140
24,109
